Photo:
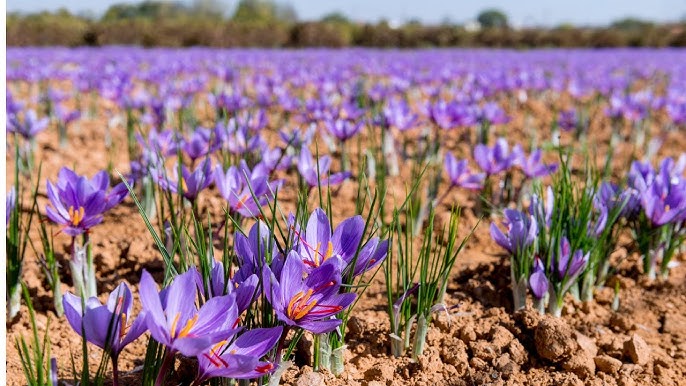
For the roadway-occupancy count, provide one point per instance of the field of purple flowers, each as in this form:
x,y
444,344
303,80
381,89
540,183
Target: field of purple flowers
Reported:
x,y
364,217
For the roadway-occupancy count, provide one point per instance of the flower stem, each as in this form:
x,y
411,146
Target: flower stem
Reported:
x,y
281,345
420,337
14,303
115,371
164,369
555,305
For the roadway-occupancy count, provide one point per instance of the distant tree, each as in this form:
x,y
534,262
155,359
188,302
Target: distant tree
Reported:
x,y
492,18
145,10
263,11
335,17
631,23
209,8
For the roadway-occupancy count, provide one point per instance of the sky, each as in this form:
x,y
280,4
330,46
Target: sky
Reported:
x,y
520,12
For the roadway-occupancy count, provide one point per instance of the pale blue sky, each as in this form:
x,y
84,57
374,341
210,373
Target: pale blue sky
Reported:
x,y
521,12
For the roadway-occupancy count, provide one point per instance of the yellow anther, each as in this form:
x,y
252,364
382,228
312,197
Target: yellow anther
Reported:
x,y
174,323
124,327
329,251
76,216
305,310
189,325
298,307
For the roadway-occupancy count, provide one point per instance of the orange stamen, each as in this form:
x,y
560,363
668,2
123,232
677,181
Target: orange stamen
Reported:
x,y
189,325
76,216
300,305
174,323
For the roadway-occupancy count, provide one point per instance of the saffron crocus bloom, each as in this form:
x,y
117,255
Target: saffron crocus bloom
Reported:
x,y
10,204
110,326
609,197
317,172
460,174
567,119
239,186
569,265
30,127
253,249
240,359
538,282
664,201
201,143
175,321
492,113
343,129
78,203
543,211
163,143
496,159
243,286
641,176
399,115
191,183
521,231
533,166
66,116
307,302
318,244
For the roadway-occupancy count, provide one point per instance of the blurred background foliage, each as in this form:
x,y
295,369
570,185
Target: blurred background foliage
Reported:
x,y
264,23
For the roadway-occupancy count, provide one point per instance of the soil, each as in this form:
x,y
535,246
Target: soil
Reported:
x,y
480,341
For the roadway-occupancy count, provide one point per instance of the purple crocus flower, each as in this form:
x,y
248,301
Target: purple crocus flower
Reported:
x,y
496,159
343,129
78,203
242,141
273,160
532,166
567,119
460,174
610,196
538,282
66,116
664,201
298,138
318,244
240,359
398,114
228,102
252,250
201,143
310,301
176,322
108,326
492,113
10,204
521,231
191,183
30,127
235,186
316,173
244,286
161,143
12,106
569,265
449,115
641,176
543,211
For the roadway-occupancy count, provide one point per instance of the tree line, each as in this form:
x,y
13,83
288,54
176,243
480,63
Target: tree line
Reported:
x,y
263,23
